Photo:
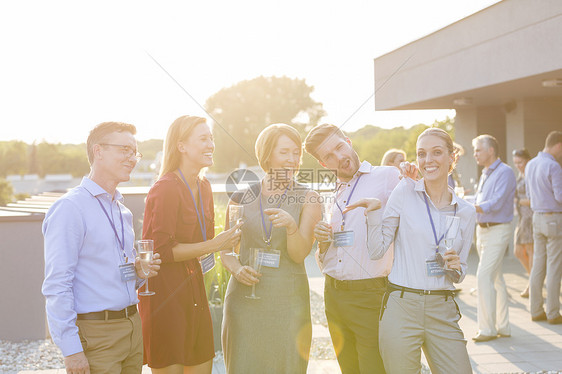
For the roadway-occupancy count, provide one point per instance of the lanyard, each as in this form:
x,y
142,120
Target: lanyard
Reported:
x,y
200,219
481,186
433,226
122,240
269,233
347,203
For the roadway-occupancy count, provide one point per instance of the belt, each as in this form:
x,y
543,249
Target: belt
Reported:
x,y
356,285
109,314
488,224
548,213
394,287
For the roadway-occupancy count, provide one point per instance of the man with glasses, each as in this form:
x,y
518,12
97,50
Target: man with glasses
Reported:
x,y
91,271
355,284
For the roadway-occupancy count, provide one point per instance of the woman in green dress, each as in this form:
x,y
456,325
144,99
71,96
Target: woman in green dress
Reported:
x,y
273,333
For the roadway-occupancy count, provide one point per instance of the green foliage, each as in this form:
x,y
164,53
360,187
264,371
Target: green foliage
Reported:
x,y
372,142
13,158
21,196
62,159
6,192
149,148
217,279
243,110
17,157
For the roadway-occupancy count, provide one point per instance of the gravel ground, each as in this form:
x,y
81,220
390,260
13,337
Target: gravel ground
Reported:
x,y
29,355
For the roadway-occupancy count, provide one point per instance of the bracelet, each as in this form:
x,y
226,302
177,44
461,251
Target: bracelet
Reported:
x,y
297,229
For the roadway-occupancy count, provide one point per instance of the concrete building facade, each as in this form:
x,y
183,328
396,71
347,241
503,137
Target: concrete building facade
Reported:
x,y
500,69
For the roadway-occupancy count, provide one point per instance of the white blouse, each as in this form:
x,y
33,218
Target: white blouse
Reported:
x,y
405,222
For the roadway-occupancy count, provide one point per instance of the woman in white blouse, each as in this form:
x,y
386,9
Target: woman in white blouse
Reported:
x,y
419,309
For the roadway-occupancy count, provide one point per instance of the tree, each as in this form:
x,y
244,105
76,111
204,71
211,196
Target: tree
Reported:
x,y
243,110
13,158
372,142
33,161
6,192
62,159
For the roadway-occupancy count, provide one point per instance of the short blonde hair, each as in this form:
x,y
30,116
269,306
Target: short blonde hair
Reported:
x,y
267,140
444,135
179,131
390,155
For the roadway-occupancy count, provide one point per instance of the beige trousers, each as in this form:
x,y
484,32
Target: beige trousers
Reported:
x,y
547,263
493,314
113,346
429,322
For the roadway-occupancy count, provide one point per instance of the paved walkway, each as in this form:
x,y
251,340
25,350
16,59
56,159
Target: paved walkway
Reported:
x,y
533,347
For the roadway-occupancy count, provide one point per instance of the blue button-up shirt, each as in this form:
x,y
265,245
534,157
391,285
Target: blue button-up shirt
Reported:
x,y
82,258
543,180
495,194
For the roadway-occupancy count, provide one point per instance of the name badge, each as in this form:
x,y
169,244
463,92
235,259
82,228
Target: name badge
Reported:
x,y
433,268
127,272
207,262
344,238
270,258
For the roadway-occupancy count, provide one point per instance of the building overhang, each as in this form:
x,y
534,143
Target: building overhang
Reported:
x,y
507,52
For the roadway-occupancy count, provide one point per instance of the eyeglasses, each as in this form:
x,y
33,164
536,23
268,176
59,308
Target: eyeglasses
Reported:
x,y
126,150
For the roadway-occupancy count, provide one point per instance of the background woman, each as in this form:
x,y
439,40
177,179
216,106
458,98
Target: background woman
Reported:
x,y
272,334
524,230
419,310
179,217
393,157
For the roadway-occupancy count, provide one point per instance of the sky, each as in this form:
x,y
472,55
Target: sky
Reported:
x,y
69,65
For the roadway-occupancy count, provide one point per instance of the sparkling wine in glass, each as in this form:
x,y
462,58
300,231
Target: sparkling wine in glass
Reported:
x,y
452,224
145,250
327,199
235,214
255,263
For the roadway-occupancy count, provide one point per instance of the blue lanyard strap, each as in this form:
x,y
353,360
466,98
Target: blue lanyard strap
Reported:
x,y
269,233
433,225
483,180
347,202
200,219
122,240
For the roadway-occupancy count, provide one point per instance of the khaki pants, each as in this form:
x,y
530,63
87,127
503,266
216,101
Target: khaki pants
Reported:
x,y
429,322
547,263
493,314
112,346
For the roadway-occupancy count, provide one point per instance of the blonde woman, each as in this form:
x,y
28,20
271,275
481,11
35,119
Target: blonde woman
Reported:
x,y
419,309
272,333
179,217
393,157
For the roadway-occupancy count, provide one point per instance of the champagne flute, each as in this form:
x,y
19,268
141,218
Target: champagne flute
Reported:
x,y
145,249
452,224
327,208
255,263
235,214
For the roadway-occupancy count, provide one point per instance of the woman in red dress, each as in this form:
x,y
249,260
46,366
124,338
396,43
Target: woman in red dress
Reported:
x,y
179,217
